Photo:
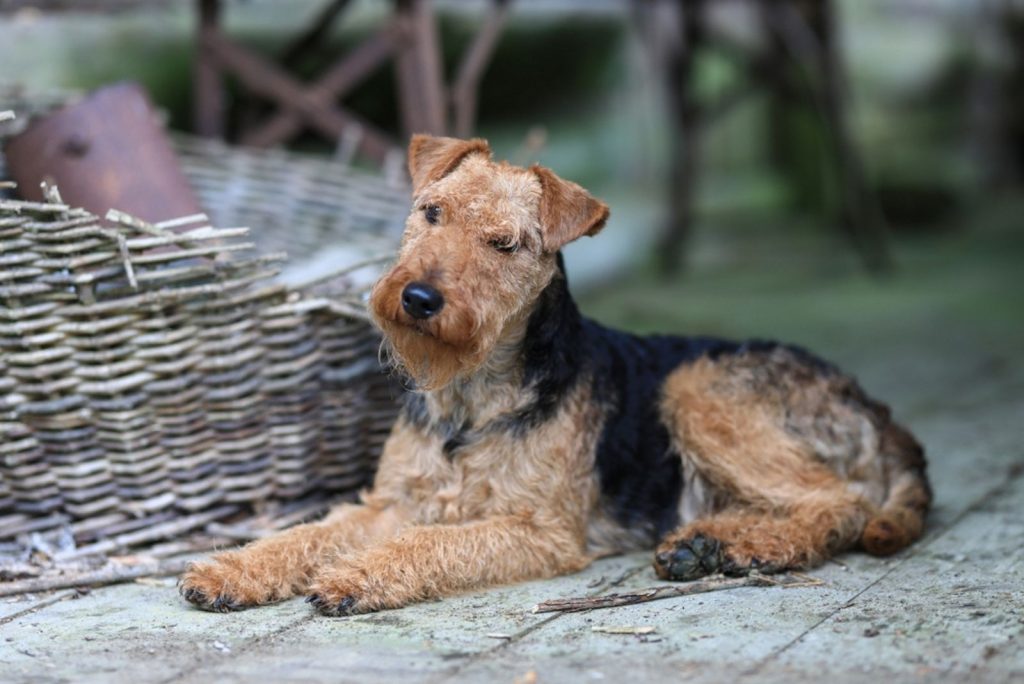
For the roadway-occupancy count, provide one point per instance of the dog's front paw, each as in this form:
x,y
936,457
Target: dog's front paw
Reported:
x,y
331,605
231,581
210,586
337,592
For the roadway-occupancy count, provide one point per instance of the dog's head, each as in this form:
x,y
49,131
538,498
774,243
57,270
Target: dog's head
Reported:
x,y
479,247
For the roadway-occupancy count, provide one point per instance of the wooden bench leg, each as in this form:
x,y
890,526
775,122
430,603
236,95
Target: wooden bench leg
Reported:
x,y
208,91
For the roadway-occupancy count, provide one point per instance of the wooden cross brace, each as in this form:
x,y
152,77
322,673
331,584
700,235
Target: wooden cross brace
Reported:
x,y
409,37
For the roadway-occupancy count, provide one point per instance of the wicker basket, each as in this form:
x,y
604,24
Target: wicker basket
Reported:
x,y
147,374
293,202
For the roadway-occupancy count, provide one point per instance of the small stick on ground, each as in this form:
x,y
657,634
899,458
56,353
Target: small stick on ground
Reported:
x,y
575,605
37,605
111,574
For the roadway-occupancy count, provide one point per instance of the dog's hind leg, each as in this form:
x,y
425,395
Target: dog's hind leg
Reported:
x,y
790,489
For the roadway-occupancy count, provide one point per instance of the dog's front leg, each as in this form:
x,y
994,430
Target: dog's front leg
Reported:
x,y
282,565
436,560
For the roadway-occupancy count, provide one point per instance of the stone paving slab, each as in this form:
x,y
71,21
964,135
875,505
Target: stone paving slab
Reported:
x,y
131,633
949,609
144,632
11,607
736,628
425,639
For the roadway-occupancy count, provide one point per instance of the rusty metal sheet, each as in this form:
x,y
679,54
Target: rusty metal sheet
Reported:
x,y
106,151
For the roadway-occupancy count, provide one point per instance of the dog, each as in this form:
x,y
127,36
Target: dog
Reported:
x,y
534,440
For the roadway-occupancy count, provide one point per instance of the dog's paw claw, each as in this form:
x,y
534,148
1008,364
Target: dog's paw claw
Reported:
x,y
736,569
219,604
194,596
207,593
690,559
344,607
225,604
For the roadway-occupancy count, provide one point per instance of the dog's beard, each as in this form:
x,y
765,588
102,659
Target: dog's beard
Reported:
x,y
432,353
437,351
429,361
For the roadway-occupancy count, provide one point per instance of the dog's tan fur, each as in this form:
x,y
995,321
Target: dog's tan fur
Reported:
x,y
778,502
782,465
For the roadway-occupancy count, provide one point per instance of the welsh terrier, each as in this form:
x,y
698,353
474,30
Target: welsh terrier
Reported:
x,y
535,440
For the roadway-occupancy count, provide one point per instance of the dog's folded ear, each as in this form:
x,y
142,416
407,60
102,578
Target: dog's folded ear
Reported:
x,y
567,211
432,158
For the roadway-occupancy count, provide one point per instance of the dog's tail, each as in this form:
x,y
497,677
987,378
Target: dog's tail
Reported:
x,y
900,520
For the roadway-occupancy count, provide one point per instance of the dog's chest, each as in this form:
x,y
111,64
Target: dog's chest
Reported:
x,y
489,475
447,477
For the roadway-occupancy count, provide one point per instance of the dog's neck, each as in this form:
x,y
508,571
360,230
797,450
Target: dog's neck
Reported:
x,y
536,358
489,390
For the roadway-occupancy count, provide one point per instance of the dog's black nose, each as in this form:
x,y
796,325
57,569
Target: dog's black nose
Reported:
x,y
421,300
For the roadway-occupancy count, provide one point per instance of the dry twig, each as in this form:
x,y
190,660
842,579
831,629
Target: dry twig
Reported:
x,y
113,573
574,605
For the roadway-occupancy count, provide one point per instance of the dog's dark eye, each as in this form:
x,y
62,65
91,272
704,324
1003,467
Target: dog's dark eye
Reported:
x,y
504,245
432,212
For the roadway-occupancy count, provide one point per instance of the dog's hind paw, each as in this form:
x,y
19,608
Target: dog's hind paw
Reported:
x,y
689,559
